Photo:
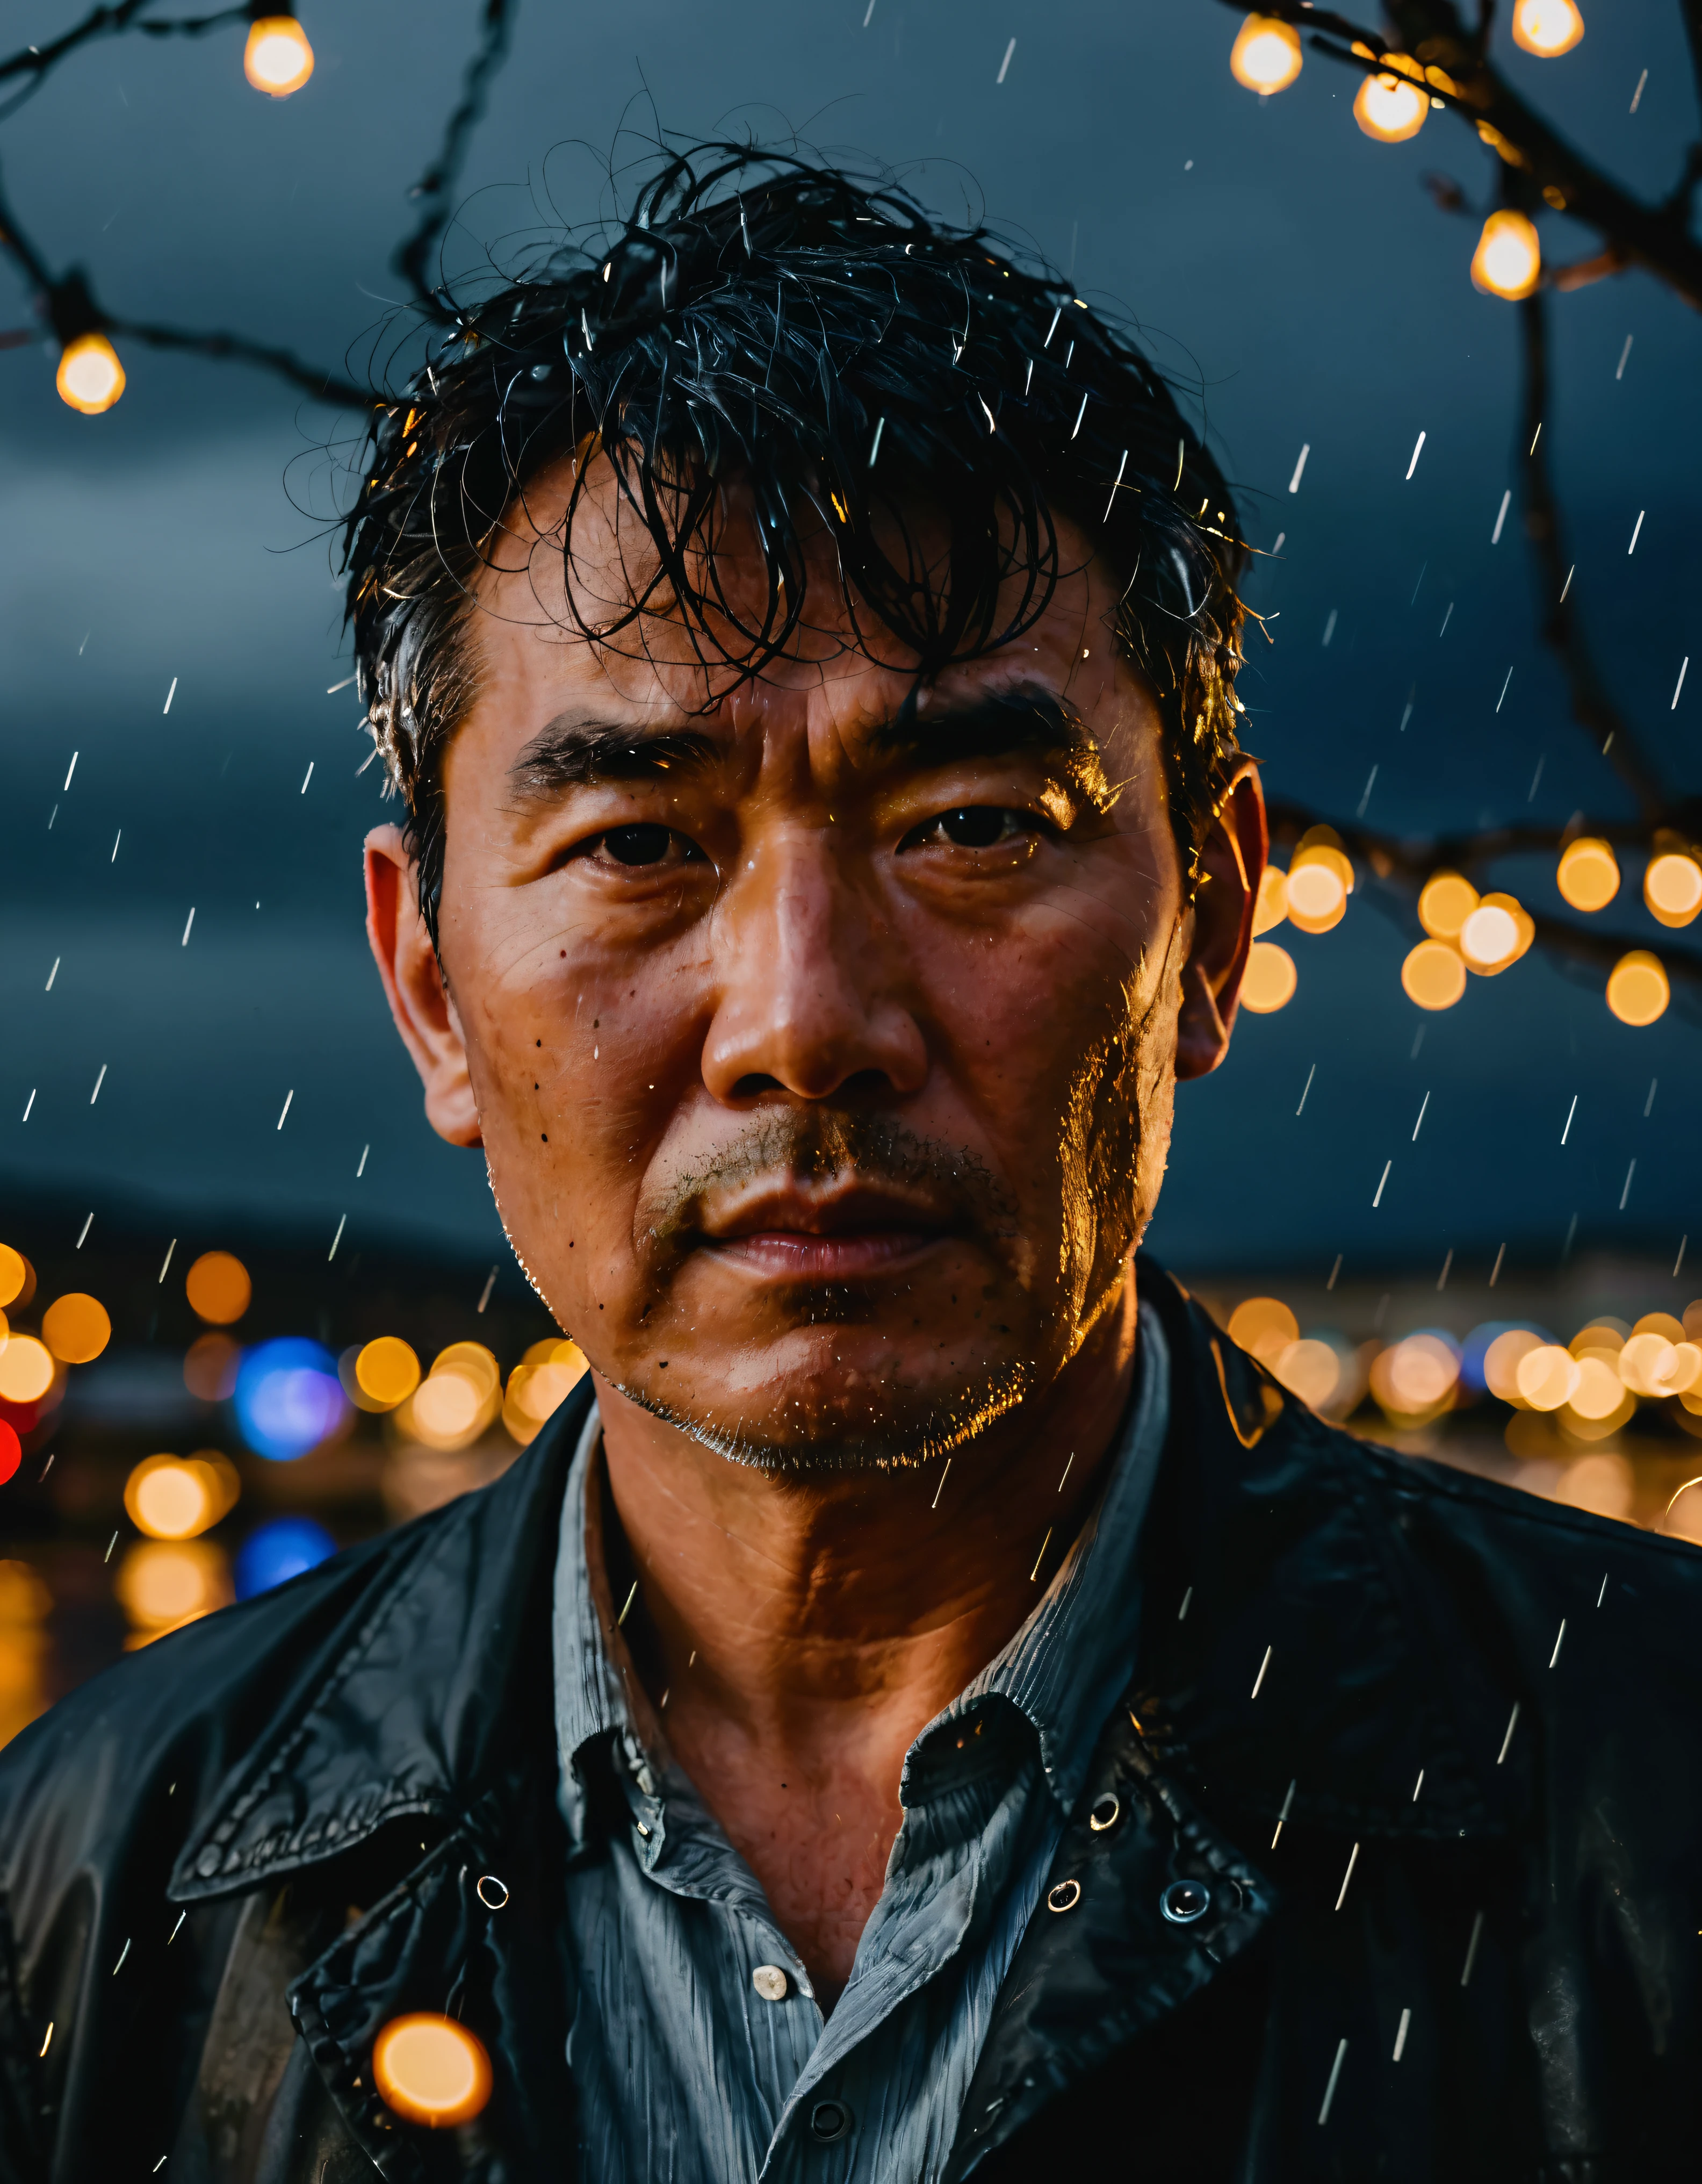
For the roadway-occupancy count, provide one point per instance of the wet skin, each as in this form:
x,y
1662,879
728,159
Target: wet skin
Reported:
x,y
822,1054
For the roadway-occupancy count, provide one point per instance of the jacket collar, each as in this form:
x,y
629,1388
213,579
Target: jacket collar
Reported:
x,y
415,1685
1267,1531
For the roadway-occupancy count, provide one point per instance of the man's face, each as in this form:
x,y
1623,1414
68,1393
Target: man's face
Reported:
x,y
822,1044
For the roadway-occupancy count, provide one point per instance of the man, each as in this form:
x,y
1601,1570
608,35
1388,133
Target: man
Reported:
x,y
928,1706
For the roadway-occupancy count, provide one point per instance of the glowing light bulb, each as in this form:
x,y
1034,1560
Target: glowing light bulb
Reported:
x,y
1391,109
1448,900
1672,887
1547,28
90,377
1508,261
1547,1377
431,2071
1496,934
1269,981
1637,990
1433,975
277,59
1266,55
1588,875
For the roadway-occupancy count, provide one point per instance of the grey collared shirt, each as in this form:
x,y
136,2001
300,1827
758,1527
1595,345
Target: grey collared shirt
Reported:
x,y
687,2072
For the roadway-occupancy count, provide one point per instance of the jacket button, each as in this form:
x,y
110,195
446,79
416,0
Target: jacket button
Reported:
x,y
1064,1896
829,2120
1185,1901
770,1982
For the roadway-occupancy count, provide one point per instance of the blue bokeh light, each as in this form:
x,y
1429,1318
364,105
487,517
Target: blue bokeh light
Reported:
x,y
289,1397
280,1551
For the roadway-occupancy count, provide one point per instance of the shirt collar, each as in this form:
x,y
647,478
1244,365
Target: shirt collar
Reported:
x,y
1064,1669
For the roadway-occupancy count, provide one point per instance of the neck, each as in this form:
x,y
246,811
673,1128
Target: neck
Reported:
x,y
800,1613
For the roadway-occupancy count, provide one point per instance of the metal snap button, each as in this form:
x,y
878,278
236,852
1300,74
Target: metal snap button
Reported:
x,y
493,1893
1185,1901
1105,1813
770,1982
829,2120
1064,1896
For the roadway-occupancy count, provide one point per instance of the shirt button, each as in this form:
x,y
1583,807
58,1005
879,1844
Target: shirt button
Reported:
x,y
830,2120
770,1982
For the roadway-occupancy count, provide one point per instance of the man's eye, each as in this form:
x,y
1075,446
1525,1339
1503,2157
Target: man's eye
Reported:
x,y
649,844
976,827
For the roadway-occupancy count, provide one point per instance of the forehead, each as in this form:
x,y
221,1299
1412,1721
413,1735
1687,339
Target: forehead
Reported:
x,y
574,609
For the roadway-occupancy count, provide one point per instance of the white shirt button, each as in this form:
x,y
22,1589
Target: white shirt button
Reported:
x,y
770,1982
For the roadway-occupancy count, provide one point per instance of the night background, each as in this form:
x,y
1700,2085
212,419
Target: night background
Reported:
x,y
1303,287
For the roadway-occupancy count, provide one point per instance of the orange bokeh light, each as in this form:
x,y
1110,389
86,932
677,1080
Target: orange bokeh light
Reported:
x,y
1588,875
1447,900
1266,55
1433,975
209,1368
218,1288
1638,988
1269,982
277,59
1508,261
1390,109
14,1273
1672,887
76,1327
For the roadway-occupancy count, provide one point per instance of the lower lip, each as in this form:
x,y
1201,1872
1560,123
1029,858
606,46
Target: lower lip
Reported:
x,y
792,1255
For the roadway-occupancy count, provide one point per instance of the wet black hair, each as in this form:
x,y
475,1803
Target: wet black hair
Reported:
x,y
853,362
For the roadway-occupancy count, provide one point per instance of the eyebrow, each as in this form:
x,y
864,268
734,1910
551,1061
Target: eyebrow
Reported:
x,y
573,751
1028,718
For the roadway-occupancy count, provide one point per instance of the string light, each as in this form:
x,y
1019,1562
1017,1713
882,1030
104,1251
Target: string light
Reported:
x,y
1508,261
1588,875
1391,109
1638,988
1496,934
1433,975
277,59
1672,887
90,377
1446,902
1266,55
1320,880
1547,28
1269,981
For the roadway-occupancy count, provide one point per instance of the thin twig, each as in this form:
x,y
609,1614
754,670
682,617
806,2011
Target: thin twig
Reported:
x,y
432,190
112,22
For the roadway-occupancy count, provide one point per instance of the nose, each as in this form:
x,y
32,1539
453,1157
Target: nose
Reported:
x,y
812,985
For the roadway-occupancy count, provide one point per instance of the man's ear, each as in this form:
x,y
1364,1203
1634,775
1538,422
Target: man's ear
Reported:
x,y
1231,863
415,988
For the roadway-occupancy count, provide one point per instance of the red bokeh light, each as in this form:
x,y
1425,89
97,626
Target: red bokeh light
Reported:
x,y
11,1451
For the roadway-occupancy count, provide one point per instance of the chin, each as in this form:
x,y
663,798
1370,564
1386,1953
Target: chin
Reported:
x,y
810,1426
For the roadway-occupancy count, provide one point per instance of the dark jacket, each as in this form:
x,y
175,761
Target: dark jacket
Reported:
x,y
228,1862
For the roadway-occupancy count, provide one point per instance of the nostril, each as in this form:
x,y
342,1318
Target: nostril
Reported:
x,y
753,1087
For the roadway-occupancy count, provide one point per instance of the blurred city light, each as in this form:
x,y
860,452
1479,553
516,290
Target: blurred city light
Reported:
x,y
1266,55
218,1288
279,1550
210,1367
1672,887
172,1497
1546,1376
1588,875
289,1398
1507,1348
1390,108
387,1372
1415,1377
1508,261
1547,28
1263,1327
1310,1369
277,59
1269,981
1433,975
539,1384
76,1328
11,1451
90,377
456,1401
161,1584
24,1603
1637,990
26,1369
14,1273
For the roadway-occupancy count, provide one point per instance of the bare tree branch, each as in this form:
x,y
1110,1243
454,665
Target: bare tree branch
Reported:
x,y
111,22
1593,707
434,187
1654,237
322,386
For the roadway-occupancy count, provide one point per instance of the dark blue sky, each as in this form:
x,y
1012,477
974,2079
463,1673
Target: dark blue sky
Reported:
x,y
1295,271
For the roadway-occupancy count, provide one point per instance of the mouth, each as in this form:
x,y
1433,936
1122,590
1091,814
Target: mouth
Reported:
x,y
843,1234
